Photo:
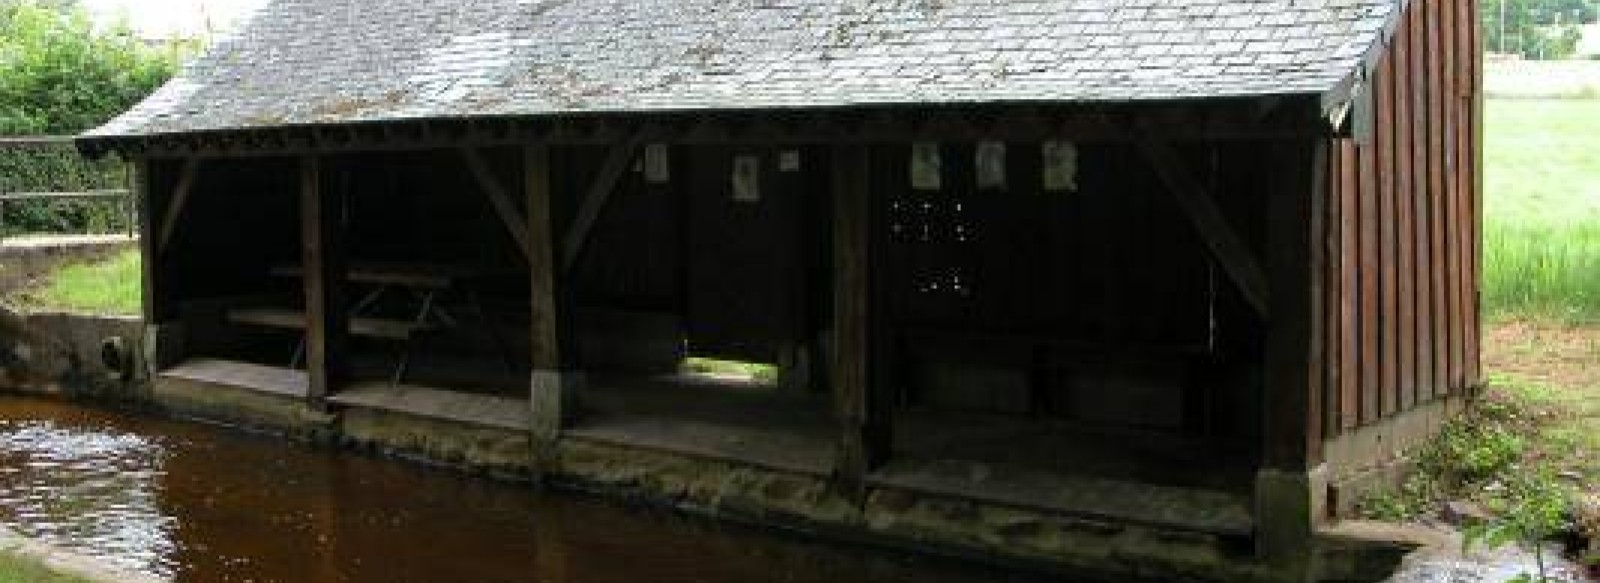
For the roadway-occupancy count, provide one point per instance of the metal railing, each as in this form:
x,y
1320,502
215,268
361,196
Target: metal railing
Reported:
x,y
46,174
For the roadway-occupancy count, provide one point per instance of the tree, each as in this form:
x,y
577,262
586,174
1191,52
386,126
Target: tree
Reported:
x,y
1536,29
60,74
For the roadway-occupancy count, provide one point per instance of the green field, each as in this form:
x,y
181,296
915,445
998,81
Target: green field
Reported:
x,y
1542,208
111,286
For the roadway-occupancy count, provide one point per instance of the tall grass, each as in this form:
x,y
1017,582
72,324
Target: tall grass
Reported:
x,y
1542,270
1541,255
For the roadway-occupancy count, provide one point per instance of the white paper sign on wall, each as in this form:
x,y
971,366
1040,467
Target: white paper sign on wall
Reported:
x,y
1060,166
926,166
747,178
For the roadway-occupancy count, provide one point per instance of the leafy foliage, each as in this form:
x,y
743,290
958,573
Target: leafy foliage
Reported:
x,y
1536,29
59,74
1532,508
107,286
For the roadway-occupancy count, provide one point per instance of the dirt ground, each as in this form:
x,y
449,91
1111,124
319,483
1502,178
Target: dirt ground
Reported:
x,y
1554,369
1563,356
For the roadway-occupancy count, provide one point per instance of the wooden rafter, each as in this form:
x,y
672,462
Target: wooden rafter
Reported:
x,y
499,198
180,198
1220,238
599,193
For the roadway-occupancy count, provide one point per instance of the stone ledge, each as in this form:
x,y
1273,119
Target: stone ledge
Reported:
x,y
67,562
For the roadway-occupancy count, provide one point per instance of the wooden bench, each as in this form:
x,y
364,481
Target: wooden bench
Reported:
x,y
385,329
359,326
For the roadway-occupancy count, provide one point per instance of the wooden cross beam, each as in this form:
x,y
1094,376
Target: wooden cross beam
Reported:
x,y
1225,244
594,200
499,198
180,197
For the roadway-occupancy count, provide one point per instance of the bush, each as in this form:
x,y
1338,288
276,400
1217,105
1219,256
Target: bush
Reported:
x,y
61,75
1470,458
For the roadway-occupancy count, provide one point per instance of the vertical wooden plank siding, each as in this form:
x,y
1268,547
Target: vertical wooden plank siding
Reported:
x,y
1333,290
1437,199
322,249
1422,240
1403,294
1447,100
1349,282
1466,84
1388,343
1474,165
1371,388
1405,260
1458,197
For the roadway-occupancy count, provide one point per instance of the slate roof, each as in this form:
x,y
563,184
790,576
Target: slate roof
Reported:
x,y
333,61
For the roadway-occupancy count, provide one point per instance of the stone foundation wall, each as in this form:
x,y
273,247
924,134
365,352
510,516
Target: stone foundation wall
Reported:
x,y
890,517
1376,457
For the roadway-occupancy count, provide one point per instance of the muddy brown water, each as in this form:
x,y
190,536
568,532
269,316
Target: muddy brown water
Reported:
x,y
195,503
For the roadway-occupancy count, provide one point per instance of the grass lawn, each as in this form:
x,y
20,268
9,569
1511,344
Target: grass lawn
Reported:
x,y
1542,208
111,286
19,569
1552,371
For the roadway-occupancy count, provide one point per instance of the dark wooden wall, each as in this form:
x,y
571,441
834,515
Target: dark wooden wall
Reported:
x,y
1402,320
1100,305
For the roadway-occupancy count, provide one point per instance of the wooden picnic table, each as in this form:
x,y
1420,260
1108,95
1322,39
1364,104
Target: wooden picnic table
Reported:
x,y
424,282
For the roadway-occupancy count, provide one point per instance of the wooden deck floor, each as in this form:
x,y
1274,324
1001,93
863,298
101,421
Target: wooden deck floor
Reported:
x,y
267,379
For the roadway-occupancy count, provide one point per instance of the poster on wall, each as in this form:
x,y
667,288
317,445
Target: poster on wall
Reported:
x,y
1060,166
991,165
657,164
926,166
747,179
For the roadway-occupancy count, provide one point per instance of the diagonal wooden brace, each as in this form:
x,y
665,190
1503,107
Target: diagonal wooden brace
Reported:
x,y
1225,244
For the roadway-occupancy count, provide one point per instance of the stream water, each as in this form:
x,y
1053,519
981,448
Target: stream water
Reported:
x,y
193,503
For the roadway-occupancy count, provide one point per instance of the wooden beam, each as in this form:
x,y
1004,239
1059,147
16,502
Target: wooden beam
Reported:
x,y
862,415
322,249
499,198
140,182
163,335
1224,243
599,193
180,198
1294,359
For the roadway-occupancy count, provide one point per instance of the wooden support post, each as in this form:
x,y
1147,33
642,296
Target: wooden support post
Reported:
x,y
180,199
1290,488
1209,223
322,249
554,382
862,414
163,338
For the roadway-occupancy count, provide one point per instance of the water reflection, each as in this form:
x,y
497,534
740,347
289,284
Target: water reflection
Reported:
x,y
96,489
197,504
